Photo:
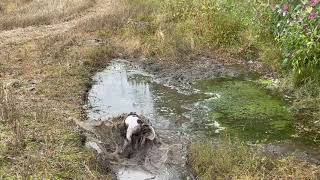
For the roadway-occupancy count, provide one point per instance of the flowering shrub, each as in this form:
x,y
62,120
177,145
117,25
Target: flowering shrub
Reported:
x,y
298,32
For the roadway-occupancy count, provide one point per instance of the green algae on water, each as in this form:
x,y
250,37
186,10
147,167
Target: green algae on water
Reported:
x,y
247,110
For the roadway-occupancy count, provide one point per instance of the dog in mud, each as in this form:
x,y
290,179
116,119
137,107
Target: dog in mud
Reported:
x,y
133,125
147,133
138,132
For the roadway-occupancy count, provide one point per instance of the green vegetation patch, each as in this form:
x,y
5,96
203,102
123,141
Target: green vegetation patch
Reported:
x,y
235,160
248,110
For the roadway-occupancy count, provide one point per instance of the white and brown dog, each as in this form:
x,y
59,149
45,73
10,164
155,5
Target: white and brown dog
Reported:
x,y
134,125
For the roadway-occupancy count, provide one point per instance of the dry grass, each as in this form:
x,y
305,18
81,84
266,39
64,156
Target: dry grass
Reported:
x,y
39,136
51,84
10,118
23,13
237,161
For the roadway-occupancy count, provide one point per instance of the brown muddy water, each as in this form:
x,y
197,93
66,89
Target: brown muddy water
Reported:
x,y
207,109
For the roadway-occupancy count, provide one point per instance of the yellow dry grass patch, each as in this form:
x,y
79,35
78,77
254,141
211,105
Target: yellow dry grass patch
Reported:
x,y
25,13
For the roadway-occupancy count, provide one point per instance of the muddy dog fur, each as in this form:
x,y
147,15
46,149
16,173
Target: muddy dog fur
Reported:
x,y
140,143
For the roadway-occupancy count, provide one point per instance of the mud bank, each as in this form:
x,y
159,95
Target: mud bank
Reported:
x,y
183,74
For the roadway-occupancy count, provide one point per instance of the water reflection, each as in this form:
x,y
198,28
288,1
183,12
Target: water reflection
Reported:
x,y
116,93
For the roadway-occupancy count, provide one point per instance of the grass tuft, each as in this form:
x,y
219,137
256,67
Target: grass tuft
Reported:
x,y
10,122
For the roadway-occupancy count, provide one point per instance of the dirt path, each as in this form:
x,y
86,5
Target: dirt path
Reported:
x,y
21,35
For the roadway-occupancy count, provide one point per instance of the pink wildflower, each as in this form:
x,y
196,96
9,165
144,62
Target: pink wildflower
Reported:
x,y
313,15
285,7
314,3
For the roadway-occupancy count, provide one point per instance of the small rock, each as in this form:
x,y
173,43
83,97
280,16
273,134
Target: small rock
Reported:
x,y
94,146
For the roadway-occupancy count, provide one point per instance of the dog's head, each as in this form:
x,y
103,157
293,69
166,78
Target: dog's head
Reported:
x,y
133,114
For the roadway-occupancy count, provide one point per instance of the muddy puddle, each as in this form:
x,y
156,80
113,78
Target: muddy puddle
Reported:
x,y
123,88
208,109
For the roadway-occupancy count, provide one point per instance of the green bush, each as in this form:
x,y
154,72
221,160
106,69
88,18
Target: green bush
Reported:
x,y
298,32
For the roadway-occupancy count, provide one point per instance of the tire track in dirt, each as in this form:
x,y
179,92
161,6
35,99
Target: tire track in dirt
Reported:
x,y
21,35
